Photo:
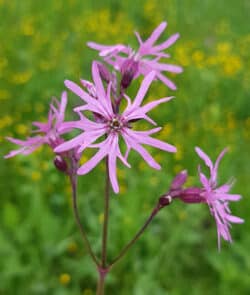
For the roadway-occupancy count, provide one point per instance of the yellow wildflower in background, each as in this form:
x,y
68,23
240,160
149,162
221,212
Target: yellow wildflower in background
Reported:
x,y
35,176
151,8
224,47
4,94
64,279
198,58
21,78
72,247
88,292
166,130
182,56
3,63
101,218
232,66
39,107
231,121
83,159
123,189
179,154
112,28
5,121
21,129
27,28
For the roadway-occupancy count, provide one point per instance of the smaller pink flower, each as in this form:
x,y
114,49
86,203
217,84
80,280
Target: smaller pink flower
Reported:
x,y
218,197
145,59
49,131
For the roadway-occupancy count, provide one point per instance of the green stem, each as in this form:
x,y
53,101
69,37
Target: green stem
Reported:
x,y
103,269
106,217
100,286
137,236
78,221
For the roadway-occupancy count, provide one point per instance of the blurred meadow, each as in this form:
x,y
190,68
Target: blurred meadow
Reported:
x,y
41,252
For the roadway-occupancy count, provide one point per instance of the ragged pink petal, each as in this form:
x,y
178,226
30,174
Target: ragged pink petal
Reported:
x,y
165,67
155,35
228,197
144,139
90,164
90,137
149,106
234,219
62,108
142,151
143,89
170,41
217,162
98,83
205,158
166,81
112,158
70,144
14,153
138,37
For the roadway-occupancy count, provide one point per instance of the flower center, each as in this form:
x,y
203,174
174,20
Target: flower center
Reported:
x,y
115,124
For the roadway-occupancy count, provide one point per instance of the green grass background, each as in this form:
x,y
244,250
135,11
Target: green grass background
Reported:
x,y
41,252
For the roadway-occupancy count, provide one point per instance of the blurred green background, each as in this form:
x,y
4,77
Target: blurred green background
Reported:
x,y
41,252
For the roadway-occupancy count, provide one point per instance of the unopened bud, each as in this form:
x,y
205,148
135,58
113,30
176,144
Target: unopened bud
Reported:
x,y
104,72
129,69
165,200
179,180
192,195
60,163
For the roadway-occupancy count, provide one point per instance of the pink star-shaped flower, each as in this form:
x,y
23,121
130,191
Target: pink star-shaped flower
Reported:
x,y
112,125
145,59
49,131
218,197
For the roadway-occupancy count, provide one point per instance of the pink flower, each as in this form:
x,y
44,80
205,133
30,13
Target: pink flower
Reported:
x,y
49,131
112,125
218,197
145,59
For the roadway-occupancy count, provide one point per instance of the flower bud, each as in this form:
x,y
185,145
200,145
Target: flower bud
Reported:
x,y
165,200
191,195
60,163
179,180
104,72
128,69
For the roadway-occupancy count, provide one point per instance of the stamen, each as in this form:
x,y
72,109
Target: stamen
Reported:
x,y
115,124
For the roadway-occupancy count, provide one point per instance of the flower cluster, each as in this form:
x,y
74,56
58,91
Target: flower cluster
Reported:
x,y
105,124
